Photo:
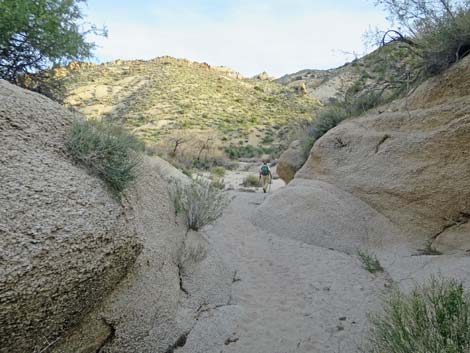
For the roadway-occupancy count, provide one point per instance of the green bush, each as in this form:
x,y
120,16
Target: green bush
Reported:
x,y
370,261
200,201
434,318
106,150
218,172
328,119
249,151
251,181
437,32
36,34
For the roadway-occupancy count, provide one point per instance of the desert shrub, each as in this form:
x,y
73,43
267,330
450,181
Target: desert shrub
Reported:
x,y
308,131
437,33
370,261
249,151
106,150
251,181
267,139
433,318
235,152
218,183
360,104
218,172
200,201
328,119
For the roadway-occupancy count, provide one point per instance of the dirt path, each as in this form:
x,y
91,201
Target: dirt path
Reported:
x,y
287,296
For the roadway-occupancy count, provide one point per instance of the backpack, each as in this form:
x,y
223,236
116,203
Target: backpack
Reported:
x,y
264,170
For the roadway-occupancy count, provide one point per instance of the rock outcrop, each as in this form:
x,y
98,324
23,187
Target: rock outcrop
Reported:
x,y
300,87
156,305
394,181
409,161
264,76
320,214
81,272
290,161
64,241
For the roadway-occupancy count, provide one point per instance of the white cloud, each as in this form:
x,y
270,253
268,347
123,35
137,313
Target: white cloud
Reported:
x,y
249,41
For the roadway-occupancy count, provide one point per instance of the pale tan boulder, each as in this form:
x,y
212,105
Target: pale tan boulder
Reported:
x,y
290,161
320,214
455,240
410,160
64,240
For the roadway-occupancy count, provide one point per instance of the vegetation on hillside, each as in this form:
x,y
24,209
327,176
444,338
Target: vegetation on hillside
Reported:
x,y
435,34
106,150
186,108
430,36
37,34
434,318
309,131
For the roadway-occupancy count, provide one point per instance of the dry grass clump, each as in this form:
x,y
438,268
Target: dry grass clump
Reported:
x,y
200,201
251,181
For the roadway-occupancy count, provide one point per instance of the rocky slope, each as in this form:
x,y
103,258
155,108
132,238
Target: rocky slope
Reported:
x,y
168,98
377,70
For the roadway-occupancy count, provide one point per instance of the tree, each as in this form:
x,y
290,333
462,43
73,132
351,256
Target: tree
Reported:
x,y
436,32
36,34
177,141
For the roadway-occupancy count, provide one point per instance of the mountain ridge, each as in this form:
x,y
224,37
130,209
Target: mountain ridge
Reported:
x,y
162,98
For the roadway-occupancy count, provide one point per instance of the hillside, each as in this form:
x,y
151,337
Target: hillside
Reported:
x,y
381,69
166,98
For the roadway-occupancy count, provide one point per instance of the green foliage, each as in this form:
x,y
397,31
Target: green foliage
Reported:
x,y
330,117
434,318
267,139
437,33
107,151
251,181
167,98
218,183
218,171
200,201
36,34
370,261
249,151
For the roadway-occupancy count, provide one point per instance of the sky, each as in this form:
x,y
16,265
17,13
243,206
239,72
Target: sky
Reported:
x,y
276,36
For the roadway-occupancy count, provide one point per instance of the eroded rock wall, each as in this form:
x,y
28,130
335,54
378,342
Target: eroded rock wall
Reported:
x,y
64,241
409,160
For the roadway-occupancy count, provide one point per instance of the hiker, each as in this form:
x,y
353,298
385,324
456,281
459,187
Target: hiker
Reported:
x,y
265,176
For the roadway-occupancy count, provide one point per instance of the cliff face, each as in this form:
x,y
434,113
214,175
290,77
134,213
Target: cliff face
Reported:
x,y
64,241
410,160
